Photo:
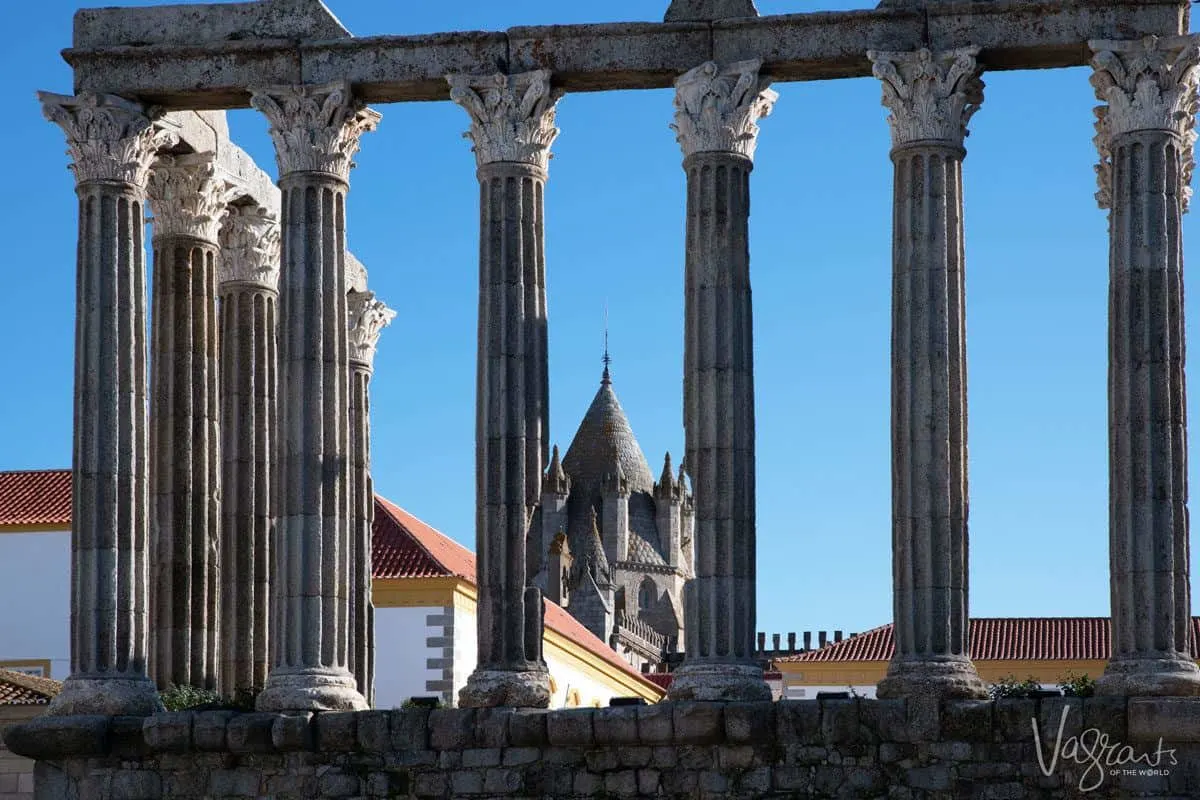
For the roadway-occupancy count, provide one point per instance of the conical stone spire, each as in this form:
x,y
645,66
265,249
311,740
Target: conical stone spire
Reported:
x,y
605,438
556,481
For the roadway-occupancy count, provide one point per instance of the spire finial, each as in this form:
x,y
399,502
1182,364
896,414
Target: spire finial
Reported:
x,y
606,379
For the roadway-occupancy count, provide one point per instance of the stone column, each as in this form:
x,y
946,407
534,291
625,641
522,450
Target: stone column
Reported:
x,y
1145,137
368,318
316,130
188,198
931,97
716,114
112,143
248,275
512,127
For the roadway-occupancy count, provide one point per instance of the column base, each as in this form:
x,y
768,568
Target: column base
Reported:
x,y
490,688
947,678
116,696
1150,677
717,682
316,689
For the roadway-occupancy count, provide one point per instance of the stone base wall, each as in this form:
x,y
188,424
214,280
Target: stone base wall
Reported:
x,y
858,748
16,772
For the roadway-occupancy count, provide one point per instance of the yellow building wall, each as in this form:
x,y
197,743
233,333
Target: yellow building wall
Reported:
x,y
868,673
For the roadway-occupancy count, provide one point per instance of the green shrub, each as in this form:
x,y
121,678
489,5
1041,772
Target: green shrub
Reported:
x,y
1074,685
1009,686
183,698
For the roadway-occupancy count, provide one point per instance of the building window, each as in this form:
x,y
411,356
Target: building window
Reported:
x,y
646,595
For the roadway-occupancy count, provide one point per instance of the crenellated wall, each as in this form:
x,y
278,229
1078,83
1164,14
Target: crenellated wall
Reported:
x,y
824,749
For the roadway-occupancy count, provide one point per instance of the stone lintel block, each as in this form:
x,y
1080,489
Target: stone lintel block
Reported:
x,y
1047,33
374,731
699,723
251,733
967,720
126,738
839,722
480,757
491,727
750,723
54,738
336,731
585,56
1174,719
410,729
1050,716
208,730
1014,716
414,66
798,721
170,732
924,718
519,756
570,727
292,732
452,728
616,726
1108,714
527,728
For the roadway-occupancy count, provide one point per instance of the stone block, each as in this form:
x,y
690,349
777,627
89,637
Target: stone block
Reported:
x,y
891,752
664,757
749,723
936,778
1014,718
655,724
826,780
950,751
798,721
885,720
338,784
696,756
477,758
792,779
244,782
736,757
451,728
336,731
519,756
648,782
450,759
680,783
616,726
250,733
491,727
140,784
502,782
1108,715
754,782
603,759
465,782
429,784
127,739
839,722
527,729
924,718
864,781
698,723
587,784
410,729
292,732
208,730
170,732
570,728
967,720
1056,711
622,783
635,756
713,782
374,731
1174,719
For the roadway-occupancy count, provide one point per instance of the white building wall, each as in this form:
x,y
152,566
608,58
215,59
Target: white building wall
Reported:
x,y
35,590
401,654
568,678
466,649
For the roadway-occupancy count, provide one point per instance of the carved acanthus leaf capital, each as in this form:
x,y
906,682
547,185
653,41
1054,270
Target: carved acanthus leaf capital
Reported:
x,y
932,96
512,116
315,128
250,248
717,109
189,196
368,317
109,138
1147,84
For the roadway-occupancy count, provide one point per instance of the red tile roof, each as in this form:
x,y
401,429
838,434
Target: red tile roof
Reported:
x,y
996,639
35,498
19,689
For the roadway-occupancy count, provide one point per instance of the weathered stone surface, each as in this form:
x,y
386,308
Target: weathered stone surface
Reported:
x,y
698,723
708,10
570,728
292,732
208,730
171,732
251,733
616,726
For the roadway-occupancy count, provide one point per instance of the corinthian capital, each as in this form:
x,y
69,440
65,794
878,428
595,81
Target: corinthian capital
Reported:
x,y
368,317
932,96
1147,85
512,116
315,128
108,138
717,109
188,195
250,248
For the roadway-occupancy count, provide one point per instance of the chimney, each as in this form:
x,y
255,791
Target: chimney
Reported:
x,y
807,640
792,642
821,638
775,641
837,636
762,642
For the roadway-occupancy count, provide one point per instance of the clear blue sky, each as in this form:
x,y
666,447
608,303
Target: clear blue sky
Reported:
x,y
820,231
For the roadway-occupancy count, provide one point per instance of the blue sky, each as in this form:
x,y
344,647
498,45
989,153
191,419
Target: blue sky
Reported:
x,y
821,261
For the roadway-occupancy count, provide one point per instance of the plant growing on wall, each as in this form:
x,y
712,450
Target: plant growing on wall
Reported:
x,y
1009,686
1074,685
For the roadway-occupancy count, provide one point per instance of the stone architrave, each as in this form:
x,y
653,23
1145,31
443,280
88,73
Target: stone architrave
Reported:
x,y
1146,138
112,143
188,198
368,317
708,10
512,128
931,97
248,283
716,114
316,130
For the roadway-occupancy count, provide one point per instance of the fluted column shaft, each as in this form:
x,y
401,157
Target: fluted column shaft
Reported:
x,y
249,276
1145,137
368,317
931,96
112,143
512,129
316,132
717,110
187,199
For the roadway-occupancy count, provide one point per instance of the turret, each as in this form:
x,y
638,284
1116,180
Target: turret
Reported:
x,y
558,570
556,486
668,506
615,505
